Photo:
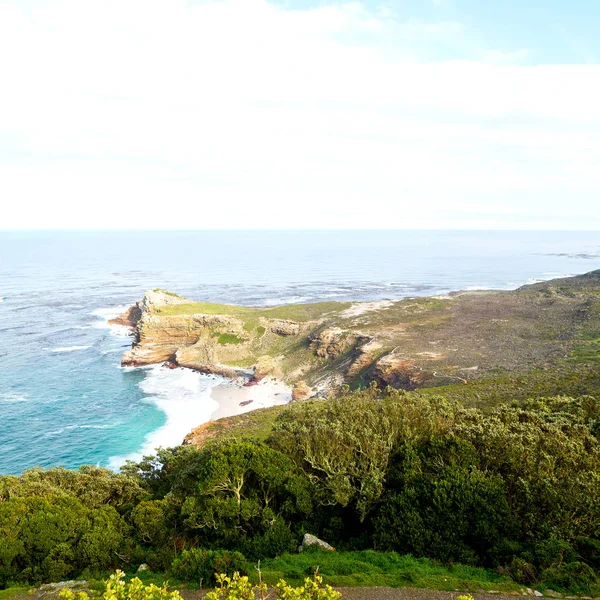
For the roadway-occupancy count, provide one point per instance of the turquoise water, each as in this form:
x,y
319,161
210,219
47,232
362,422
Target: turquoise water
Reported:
x,y
64,400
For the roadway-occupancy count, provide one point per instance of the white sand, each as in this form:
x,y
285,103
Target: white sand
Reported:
x,y
234,399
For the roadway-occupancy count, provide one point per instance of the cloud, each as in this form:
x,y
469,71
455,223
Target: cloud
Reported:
x,y
162,113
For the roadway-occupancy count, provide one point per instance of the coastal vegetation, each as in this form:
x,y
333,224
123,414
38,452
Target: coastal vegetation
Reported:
x,y
454,443
513,490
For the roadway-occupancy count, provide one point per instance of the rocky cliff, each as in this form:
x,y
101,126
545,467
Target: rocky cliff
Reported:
x,y
412,343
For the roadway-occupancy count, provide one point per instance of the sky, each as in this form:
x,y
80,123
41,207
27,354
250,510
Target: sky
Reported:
x,y
297,114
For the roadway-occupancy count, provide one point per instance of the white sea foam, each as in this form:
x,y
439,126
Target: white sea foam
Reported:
x,y
66,349
104,315
286,300
11,397
185,398
110,312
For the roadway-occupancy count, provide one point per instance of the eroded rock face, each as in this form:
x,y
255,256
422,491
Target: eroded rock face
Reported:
x,y
159,337
366,351
129,318
363,360
400,373
282,326
329,343
204,356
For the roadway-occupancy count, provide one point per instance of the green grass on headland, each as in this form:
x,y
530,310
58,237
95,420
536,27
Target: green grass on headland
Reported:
x,y
295,312
229,338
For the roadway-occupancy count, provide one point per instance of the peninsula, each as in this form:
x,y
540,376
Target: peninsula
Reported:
x,y
461,338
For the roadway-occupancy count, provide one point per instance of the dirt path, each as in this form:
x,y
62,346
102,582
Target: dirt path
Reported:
x,y
407,593
387,593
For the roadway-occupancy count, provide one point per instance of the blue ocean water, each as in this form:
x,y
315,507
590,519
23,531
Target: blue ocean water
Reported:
x,y
64,400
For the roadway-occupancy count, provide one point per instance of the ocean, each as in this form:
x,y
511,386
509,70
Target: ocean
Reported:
x,y
65,400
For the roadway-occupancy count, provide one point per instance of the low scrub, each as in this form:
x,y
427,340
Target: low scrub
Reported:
x,y
200,566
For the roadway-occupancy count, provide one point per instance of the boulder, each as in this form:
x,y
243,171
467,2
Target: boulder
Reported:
x,y
313,540
143,567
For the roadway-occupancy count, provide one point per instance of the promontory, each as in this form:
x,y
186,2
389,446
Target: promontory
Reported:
x,y
459,338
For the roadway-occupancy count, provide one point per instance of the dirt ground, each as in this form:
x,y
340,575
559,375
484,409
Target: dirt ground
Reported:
x,y
387,593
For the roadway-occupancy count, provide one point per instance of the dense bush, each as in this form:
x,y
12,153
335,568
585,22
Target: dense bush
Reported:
x,y
200,566
575,576
45,539
514,489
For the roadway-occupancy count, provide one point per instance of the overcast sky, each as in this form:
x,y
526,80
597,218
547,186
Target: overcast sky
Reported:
x,y
172,114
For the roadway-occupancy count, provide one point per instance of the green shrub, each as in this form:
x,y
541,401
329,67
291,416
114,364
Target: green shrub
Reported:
x,y
589,550
522,571
574,576
240,588
200,565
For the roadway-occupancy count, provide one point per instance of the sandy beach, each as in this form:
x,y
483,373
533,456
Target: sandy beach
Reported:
x,y
234,399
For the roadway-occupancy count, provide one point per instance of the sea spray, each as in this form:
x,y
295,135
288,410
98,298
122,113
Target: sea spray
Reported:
x,y
185,398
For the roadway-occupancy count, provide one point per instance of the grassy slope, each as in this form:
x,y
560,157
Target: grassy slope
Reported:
x,y
294,312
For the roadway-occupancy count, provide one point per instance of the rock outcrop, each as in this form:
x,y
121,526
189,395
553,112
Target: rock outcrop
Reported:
x,y
186,339
365,353
329,343
401,373
129,318
152,299
282,326
301,391
264,366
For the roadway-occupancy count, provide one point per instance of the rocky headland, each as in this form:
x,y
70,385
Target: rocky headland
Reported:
x,y
409,344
